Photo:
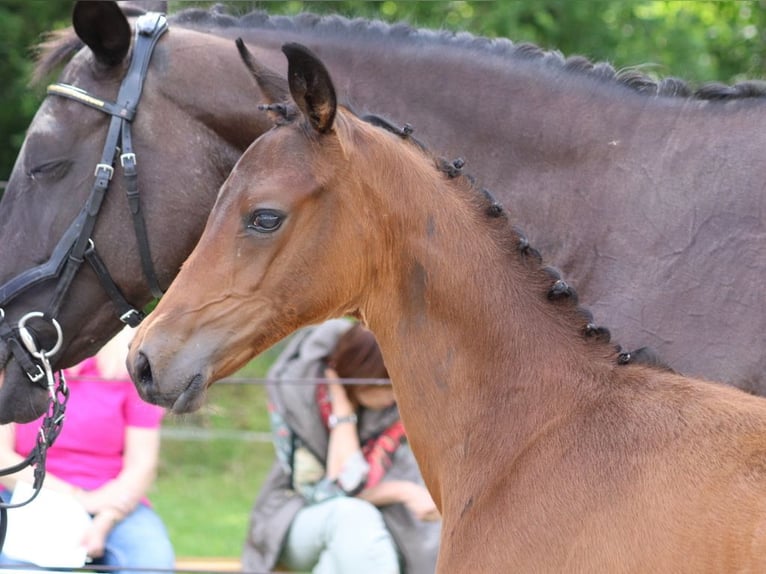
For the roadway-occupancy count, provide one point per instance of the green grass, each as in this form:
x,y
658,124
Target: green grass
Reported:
x,y
205,488
204,493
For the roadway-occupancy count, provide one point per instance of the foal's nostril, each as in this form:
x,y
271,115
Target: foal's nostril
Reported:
x,y
143,371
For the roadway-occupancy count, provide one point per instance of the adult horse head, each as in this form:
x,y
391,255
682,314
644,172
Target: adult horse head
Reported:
x,y
120,107
542,448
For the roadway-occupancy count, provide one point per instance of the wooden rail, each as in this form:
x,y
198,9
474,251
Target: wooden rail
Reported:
x,y
208,565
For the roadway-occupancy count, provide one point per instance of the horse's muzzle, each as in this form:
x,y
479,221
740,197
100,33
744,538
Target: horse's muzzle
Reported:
x,y
179,399
21,400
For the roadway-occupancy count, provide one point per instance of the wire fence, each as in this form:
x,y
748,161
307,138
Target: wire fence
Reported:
x,y
26,569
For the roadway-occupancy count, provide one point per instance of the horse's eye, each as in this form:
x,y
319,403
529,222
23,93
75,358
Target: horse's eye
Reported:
x,y
50,170
266,220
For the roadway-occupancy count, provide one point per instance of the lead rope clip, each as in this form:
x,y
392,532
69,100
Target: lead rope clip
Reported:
x,y
42,355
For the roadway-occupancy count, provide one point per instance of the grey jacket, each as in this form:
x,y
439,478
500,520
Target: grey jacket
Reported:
x,y
277,503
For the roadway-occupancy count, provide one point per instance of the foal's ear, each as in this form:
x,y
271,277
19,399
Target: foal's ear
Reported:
x,y
310,86
272,85
104,29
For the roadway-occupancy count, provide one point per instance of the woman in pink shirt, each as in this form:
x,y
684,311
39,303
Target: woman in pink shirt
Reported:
x,y
106,457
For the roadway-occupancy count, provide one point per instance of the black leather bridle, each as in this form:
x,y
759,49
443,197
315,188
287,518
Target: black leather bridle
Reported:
x,y
76,246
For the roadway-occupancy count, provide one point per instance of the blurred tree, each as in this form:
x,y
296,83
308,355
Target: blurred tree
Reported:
x,y
699,41
21,24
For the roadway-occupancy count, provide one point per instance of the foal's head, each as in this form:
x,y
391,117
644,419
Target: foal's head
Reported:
x,y
290,242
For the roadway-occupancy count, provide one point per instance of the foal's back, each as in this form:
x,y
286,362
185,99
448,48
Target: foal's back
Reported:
x,y
654,473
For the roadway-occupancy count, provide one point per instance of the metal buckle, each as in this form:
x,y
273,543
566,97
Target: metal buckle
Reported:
x,y
128,315
131,157
148,23
39,375
108,168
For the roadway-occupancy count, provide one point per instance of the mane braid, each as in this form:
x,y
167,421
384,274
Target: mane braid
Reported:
x,y
55,53
630,78
559,292
404,132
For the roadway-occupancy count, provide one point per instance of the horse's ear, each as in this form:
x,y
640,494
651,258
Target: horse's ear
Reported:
x,y
104,29
272,85
310,86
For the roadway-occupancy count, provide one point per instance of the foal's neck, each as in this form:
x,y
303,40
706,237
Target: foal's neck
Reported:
x,y
471,340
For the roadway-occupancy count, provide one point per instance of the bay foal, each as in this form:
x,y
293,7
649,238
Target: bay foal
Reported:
x,y
542,451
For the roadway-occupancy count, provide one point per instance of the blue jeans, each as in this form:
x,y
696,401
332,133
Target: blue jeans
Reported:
x,y
138,541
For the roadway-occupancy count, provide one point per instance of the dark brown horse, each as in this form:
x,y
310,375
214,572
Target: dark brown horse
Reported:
x,y
543,453
648,198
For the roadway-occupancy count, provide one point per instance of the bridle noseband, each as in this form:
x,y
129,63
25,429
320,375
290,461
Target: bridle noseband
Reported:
x,y
76,246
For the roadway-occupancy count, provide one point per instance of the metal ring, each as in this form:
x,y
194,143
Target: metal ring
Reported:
x,y
29,340
2,313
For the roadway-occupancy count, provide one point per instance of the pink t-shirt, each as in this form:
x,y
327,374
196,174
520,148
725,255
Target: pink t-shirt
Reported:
x,y
89,450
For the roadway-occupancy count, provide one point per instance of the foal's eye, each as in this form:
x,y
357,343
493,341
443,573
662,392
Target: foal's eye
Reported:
x,y
266,220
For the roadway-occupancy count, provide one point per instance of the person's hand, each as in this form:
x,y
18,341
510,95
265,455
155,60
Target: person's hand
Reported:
x,y
95,501
94,539
88,499
341,404
419,502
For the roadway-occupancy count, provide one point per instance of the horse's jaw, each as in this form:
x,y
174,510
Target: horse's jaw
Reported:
x,y
21,400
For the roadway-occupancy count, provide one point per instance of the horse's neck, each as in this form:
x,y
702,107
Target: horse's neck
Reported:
x,y
209,82
510,117
513,119
470,340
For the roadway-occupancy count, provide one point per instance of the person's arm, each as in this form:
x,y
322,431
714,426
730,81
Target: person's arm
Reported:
x,y
414,496
119,496
344,439
9,457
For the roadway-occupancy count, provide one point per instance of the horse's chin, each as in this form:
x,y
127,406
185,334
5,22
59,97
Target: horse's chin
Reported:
x,y
192,397
183,399
21,400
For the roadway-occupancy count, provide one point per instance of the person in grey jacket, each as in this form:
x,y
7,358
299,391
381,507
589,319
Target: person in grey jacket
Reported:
x,y
344,494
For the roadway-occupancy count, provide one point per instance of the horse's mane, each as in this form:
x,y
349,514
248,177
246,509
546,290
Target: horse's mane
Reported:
x,y
61,45
559,292
396,33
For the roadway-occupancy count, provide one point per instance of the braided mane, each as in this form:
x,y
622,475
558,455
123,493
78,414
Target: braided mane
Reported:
x,y
559,292
61,45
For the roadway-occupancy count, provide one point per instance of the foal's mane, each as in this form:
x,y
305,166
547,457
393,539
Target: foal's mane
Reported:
x,y
514,241
61,45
